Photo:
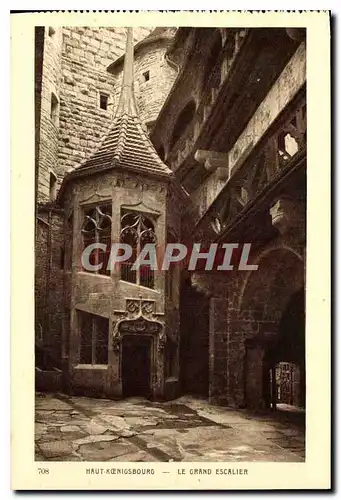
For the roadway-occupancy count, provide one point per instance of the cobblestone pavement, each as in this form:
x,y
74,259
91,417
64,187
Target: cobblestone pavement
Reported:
x,y
136,430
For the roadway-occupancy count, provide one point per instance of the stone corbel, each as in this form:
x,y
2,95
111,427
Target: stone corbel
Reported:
x,y
288,216
212,161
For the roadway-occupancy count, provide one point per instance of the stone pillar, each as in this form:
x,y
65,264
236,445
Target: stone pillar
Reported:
x,y
254,375
114,371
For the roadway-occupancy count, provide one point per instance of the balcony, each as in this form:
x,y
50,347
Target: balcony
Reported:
x,y
273,159
188,142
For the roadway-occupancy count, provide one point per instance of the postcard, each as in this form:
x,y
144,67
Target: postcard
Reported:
x,y
171,251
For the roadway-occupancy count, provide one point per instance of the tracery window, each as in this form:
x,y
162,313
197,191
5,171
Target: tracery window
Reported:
x,y
137,230
97,229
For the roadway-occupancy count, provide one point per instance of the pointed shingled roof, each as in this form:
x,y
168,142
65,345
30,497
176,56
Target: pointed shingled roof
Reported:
x,y
126,145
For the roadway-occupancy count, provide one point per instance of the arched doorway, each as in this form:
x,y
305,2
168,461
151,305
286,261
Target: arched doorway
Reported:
x,y
272,317
136,365
286,357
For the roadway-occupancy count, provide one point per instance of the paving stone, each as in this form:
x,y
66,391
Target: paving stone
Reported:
x,y
49,436
78,417
126,433
116,422
141,421
56,448
51,404
40,428
94,439
104,450
137,456
42,416
93,427
68,458
70,428
185,430
167,448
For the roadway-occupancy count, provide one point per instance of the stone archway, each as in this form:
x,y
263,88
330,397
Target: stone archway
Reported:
x,y
266,295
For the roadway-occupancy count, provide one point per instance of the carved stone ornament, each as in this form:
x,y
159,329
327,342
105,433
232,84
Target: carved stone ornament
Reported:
x,y
138,318
141,207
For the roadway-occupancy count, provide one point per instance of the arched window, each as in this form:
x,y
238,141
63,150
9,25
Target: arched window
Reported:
x,y
184,119
137,230
97,229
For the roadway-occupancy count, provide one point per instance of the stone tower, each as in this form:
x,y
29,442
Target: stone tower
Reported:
x,y
75,102
123,335
154,74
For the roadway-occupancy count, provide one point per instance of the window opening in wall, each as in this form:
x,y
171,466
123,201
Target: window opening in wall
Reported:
x,y
54,108
97,229
103,101
146,76
94,333
53,186
137,230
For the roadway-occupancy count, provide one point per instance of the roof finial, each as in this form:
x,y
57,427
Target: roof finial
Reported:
x,y
127,103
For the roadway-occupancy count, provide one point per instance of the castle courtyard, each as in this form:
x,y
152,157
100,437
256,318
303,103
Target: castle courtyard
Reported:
x,y
188,429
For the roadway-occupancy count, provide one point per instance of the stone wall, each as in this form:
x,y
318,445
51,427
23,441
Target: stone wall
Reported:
x,y
74,75
49,280
245,313
41,255
71,71
47,150
152,89
194,342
